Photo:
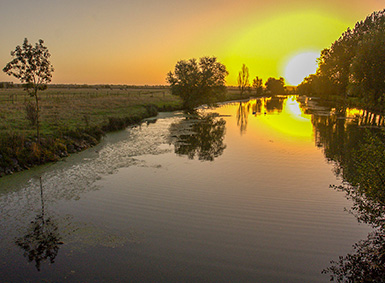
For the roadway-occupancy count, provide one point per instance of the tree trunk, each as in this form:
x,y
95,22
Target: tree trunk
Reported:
x,y
37,117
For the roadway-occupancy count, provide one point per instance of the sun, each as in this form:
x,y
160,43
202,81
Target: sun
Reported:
x,y
300,66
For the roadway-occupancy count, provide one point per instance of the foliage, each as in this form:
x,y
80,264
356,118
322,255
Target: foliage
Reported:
x,y
368,68
258,85
198,83
243,79
354,65
275,86
32,67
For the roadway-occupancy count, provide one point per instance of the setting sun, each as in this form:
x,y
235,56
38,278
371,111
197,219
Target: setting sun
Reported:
x,y
300,66
192,140
139,42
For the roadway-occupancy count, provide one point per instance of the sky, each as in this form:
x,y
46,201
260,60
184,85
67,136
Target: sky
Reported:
x,y
137,42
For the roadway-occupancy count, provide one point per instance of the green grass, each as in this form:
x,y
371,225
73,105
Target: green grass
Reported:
x,y
73,118
72,107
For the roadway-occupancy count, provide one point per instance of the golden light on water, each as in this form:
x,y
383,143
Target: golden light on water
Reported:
x,y
290,121
353,112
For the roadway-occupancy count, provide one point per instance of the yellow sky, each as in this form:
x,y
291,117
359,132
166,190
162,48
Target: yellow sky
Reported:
x,y
139,41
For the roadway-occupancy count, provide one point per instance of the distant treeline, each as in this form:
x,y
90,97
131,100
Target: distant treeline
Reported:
x,y
79,86
354,65
6,84
106,86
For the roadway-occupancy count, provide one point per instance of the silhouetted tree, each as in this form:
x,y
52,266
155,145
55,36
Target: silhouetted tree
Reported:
x,y
243,79
317,85
275,86
258,85
368,68
32,67
354,64
198,83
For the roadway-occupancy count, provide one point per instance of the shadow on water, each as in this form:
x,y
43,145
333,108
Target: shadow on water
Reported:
x,y
42,239
354,142
199,136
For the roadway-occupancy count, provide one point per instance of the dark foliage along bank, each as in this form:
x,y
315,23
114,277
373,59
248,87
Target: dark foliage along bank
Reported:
x,y
354,66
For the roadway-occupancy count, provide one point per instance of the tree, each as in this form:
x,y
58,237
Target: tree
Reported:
x,y
243,79
196,82
258,85
275,86
368,68
354,65
31,66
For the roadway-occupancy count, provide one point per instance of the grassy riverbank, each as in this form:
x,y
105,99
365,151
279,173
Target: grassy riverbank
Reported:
x,y
74,118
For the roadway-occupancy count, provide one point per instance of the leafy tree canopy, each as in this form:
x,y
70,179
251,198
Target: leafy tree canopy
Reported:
x,y
354,64
31,65
198,82
275,86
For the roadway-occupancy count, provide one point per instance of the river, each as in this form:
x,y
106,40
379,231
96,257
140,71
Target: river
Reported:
x,y
242,193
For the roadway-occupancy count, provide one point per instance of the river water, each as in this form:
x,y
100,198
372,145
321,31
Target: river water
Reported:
x,y
241,193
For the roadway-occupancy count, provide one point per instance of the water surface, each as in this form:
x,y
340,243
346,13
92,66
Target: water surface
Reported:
x,y
242,193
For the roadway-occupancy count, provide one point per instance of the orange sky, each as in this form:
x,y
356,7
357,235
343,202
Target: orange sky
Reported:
x,y
139,41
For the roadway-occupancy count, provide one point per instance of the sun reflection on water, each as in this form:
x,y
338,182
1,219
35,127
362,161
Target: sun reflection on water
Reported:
x,y
290,120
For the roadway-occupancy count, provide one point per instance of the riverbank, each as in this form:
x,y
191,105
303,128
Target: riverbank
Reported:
x,y
352,102
74,118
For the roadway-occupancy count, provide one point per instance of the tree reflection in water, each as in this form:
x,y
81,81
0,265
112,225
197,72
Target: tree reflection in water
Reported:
x,y
201,136
242,115
258,106
359,157
42,239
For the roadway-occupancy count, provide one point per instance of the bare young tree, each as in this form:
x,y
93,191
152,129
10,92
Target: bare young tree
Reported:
x,y
258,85
243,79
31,66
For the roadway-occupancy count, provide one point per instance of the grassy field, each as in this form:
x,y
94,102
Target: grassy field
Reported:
x,y
72,107
73,118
